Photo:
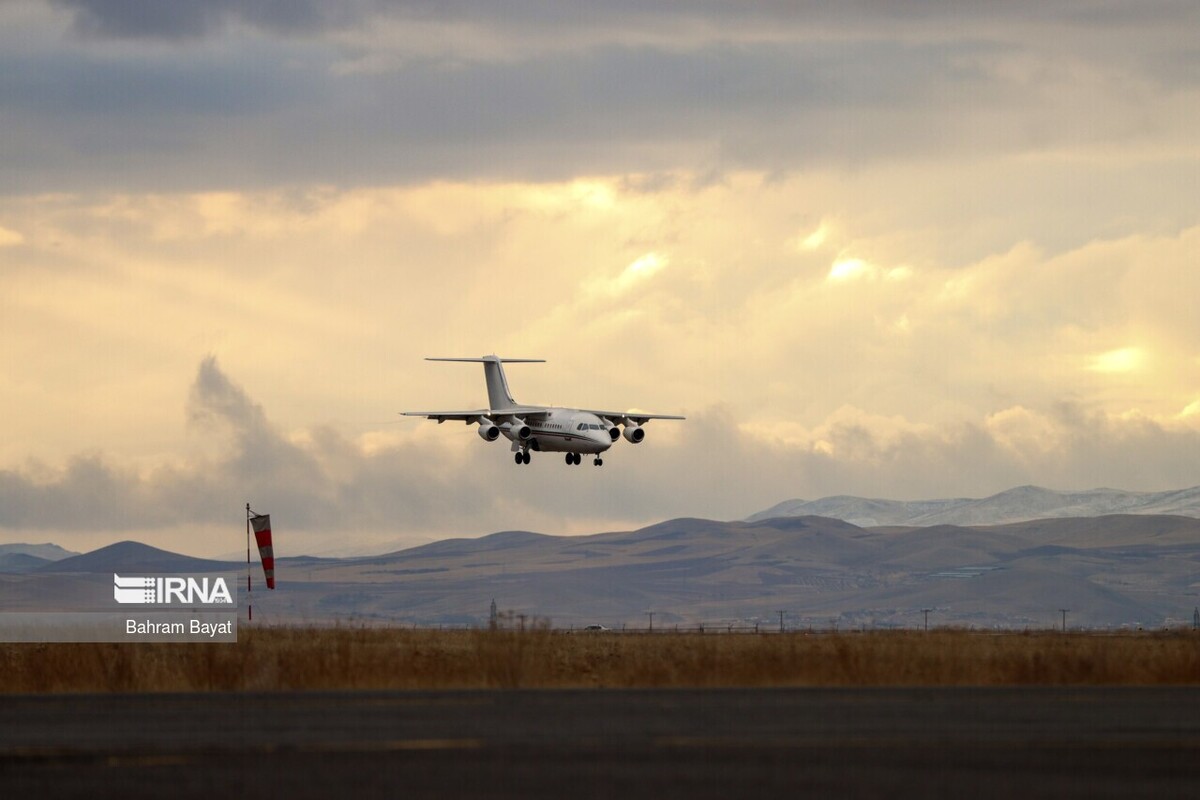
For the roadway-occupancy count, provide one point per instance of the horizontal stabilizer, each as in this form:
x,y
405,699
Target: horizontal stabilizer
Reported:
x,y
499,396
493,359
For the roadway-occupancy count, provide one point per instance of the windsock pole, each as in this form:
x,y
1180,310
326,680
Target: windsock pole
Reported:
x,y
249,605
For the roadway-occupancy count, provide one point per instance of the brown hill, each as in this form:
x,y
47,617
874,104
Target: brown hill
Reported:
x,y
1109,571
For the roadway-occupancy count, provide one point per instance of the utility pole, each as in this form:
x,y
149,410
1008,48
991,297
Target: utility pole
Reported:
x,y
781,622
1064,617
926,611
650,614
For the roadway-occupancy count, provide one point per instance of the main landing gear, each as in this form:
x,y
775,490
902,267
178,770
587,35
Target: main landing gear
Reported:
x,y
576,459
522,457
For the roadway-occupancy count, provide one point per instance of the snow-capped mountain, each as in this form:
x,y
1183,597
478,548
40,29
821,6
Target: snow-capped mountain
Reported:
x,y
1015,505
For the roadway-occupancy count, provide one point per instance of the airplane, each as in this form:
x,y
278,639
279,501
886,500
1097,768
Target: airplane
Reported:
x,y
573,431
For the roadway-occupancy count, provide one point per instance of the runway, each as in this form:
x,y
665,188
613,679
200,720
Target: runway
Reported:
x,y
936,742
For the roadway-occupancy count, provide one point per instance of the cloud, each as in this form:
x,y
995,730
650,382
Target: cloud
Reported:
x,y
330,492
275,93
181,19
1126,359
320,482
9,238
110,298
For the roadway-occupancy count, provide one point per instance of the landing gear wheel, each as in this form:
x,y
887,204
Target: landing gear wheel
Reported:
x,y
525,457
599,461
570,459
576,459
518,459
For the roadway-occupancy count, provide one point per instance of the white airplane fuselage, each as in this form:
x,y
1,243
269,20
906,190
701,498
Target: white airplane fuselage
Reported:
x,y
566,430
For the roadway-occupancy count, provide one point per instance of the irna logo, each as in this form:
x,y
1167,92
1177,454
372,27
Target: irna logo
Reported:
x,y
174,590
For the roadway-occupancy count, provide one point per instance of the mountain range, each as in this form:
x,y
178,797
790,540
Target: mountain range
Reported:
x,y
26,557
1109,572
1015,505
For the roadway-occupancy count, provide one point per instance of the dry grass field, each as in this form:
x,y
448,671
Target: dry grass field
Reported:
x,y
285,658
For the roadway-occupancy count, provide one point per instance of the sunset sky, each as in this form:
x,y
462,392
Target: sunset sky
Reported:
x,y
891,249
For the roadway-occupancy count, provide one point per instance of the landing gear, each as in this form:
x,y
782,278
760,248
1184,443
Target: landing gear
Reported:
x,y
575,459
521,458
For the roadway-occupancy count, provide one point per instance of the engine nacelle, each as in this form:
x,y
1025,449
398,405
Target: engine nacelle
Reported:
x,y
633,433
614,432
488,431
516,430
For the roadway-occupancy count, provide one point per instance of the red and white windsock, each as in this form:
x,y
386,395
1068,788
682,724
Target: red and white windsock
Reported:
x,y
262,534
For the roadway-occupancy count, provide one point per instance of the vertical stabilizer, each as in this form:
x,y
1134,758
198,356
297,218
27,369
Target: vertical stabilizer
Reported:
x,y
499,395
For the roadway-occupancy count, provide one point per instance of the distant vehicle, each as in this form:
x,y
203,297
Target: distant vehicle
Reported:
x,y
542,428
595,628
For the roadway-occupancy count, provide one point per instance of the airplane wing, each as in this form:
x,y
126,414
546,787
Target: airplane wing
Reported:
x,y
441,416
633,416
499,415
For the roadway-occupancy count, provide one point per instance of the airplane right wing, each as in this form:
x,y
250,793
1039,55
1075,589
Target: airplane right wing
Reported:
x,y
441,416
469,417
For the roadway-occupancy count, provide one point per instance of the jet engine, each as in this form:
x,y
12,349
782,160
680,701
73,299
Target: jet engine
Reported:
x,y
633,432
488,430
516,430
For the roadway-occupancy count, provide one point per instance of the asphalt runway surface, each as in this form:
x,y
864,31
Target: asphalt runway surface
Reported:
x,y
934,742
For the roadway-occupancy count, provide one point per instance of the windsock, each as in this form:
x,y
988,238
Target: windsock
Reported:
x,y
262,535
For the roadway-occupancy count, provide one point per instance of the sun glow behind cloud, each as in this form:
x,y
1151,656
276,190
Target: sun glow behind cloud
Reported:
x,y
9,238
640,270
848,269
1125,359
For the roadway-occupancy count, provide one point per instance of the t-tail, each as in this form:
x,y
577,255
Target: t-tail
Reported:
x,y
499,395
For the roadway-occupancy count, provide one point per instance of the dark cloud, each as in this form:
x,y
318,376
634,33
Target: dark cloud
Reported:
x,y
546,91
247,120
191,19
176,19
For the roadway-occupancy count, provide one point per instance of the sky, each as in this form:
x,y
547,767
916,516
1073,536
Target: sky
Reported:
x,y
887,249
